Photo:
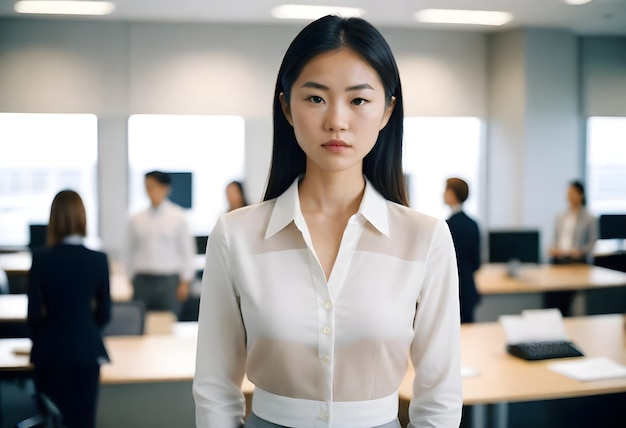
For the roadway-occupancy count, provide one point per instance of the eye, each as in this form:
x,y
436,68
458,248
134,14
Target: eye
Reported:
x,y
315,99
359,101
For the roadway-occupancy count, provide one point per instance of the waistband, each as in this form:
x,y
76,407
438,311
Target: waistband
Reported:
x,y
301,413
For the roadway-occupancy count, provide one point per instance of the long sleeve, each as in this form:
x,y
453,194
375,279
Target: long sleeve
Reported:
x,y
103,296
435,350
590,236
36,308
187,250
128,250
221,345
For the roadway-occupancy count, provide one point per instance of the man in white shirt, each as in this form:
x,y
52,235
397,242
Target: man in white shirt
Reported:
x,y
159,249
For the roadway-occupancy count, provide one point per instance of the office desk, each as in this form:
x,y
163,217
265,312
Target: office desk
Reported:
x,y
493,279
13,307
18,264
151,375
598,289
504,378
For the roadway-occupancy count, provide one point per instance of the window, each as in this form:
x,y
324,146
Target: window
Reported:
x,y
606,165
41,154
436,148
209,149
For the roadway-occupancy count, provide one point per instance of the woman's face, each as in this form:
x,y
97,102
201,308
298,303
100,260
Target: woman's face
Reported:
x,y
234,196
574,197
337,108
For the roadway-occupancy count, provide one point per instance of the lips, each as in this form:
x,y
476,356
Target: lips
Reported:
x,y
335,143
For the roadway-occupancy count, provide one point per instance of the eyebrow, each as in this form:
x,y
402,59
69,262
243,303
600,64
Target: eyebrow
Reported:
x,y
325,88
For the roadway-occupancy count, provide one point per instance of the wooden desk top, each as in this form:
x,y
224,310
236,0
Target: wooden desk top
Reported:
x,y
503,377
13,307
492,278
14,355
171,358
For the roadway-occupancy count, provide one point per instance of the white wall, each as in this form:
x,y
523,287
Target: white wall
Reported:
x,y
603,82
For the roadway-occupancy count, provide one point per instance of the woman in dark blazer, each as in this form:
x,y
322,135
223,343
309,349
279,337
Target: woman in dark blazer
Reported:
x,y
68,305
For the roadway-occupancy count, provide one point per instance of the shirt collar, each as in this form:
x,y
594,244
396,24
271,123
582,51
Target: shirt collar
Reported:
x,y
287,209
161,207
74,240
455,209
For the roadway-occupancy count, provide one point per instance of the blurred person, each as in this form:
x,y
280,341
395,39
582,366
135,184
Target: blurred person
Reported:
x,y
466,237
160,249
575,235
68,305
235,195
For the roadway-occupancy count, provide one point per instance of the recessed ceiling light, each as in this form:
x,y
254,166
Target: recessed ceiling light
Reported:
x,y
576,2
303,11
472,17
64,7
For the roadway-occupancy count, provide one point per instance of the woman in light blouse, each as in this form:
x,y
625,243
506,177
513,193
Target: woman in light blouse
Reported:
x,y
323,292
575,235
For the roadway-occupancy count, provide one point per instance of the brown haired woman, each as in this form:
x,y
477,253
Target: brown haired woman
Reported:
x,y
68,304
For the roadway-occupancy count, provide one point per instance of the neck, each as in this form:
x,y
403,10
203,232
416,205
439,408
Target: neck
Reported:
x,y
331,193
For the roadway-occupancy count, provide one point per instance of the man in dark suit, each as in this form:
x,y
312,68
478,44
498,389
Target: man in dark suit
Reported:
x,y
466,237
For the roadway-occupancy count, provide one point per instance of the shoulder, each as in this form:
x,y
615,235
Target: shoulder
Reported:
x,y
588,215
41,255
249,220
173,209
95,253
403,219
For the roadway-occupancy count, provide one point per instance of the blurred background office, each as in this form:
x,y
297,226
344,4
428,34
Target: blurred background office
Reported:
x,y
517,107
526,105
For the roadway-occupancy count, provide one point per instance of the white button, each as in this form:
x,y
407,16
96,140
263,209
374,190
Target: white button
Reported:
x,y
326,359
328,305
326,330
323,416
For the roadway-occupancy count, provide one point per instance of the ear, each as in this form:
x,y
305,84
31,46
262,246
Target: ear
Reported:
x,y
387,114
285,107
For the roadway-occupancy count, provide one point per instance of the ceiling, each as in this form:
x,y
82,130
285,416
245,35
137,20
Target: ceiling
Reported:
x,y
599,17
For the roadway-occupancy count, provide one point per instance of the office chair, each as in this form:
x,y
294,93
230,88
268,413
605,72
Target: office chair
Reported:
x,y
49,415
127,319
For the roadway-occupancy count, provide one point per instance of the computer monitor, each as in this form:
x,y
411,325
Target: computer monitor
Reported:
x,y
181,188
519,244
38,236
201,242
612,226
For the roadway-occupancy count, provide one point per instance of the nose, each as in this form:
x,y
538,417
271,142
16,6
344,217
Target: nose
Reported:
x,y
336,118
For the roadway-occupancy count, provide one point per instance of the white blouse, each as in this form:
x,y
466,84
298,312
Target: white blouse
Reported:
x,y
328,353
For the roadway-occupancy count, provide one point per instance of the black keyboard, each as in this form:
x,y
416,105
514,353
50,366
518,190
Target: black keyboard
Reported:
x,y
544,350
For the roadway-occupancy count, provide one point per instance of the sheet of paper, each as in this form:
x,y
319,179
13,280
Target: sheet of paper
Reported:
x,y
469,372
535,325
589,369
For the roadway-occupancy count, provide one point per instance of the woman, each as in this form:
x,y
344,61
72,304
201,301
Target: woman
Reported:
x,y
68,305
235,195
322,291
575,234
575,231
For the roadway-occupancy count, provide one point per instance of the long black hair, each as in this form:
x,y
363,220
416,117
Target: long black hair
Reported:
x,y
383,164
